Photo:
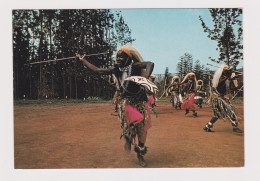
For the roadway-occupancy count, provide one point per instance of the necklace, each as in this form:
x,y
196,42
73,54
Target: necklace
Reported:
x,y
129,67
126,72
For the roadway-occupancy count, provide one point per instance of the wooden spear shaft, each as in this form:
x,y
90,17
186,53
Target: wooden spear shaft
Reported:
x,y
54,60
237,93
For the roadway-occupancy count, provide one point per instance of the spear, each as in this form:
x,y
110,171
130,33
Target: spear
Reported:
x,y
168,88
164,92
54,60
237,92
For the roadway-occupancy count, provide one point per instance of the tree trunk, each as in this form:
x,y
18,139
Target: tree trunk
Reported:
x,y
15,82
30,83
40,54
89,86
70,82
52,86
40,83
76,87
94,89
64,86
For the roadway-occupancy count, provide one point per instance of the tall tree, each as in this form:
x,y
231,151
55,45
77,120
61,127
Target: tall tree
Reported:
x,y
21,49
185,65
123,31
227,32
198,70
48,34
166,79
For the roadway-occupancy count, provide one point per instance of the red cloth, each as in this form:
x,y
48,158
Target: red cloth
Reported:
x,y
132,115
135,117
188,103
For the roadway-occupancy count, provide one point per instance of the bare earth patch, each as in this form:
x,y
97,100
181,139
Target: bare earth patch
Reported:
x,y
87,136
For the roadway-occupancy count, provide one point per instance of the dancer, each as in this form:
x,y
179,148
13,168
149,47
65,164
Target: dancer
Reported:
x,y
221,105
200,93
176,98
134,96
188,89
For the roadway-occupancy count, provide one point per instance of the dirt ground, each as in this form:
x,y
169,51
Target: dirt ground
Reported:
x,y
88,136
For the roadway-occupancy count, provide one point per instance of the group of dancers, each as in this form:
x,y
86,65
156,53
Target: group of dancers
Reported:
x,y
135,96
218,96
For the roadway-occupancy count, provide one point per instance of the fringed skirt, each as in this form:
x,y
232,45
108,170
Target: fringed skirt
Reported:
x,y
136,115
223,109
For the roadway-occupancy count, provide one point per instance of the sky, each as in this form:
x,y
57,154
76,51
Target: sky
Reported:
x,y
164,35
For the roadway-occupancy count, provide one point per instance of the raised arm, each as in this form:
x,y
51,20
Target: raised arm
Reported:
x,y
148,67
94,68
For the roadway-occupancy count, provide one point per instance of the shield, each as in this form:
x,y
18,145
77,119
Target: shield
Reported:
x,y
146,83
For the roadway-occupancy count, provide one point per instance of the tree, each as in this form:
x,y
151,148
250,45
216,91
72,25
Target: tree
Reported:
x,y
22,48
40,35
185,65
198,70
166,79
226,21
123,31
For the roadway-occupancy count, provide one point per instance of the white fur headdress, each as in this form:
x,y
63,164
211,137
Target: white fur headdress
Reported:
x,y
136,55
174,78
217,75
187,76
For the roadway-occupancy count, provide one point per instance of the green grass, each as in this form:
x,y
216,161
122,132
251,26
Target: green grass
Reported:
x,y
238,100
60,101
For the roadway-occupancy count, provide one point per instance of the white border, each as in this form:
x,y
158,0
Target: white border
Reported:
x,y
251,68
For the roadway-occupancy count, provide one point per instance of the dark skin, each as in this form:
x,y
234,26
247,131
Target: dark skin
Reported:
x,y
187,85
183,84
222,81
123,60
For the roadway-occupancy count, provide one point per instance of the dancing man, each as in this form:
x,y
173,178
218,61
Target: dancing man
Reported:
x,y
176,98
222,108
189,84
200,93
134,99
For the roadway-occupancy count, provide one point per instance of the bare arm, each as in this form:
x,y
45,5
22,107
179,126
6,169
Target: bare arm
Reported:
x,y
94,68
148,67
